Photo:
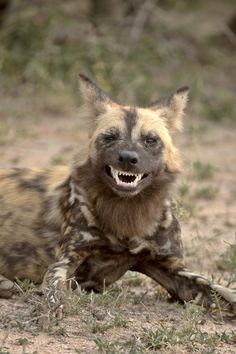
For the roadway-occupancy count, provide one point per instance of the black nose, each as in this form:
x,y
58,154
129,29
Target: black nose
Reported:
x,y
130,157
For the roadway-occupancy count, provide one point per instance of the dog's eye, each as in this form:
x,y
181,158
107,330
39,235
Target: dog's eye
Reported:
x,y
150,140
110,137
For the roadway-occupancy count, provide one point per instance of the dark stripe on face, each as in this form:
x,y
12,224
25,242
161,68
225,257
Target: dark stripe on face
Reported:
x,y
130,117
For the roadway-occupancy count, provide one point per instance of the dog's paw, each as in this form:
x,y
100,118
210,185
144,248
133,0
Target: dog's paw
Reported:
x,y
224,298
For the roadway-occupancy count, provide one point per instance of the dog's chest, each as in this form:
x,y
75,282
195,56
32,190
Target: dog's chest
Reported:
x,y
153,240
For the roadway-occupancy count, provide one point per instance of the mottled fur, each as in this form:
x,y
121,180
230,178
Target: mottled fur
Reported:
x,y
30,220
79,224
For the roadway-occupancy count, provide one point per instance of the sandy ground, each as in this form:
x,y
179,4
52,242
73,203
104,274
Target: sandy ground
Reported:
x,y
208,228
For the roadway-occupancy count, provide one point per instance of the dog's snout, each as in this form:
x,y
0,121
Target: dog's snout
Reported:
x,y
128,157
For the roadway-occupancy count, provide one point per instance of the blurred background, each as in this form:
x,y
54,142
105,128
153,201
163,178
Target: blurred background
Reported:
x,y
137,51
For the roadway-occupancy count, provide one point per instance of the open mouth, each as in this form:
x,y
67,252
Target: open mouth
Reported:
x,y
125,179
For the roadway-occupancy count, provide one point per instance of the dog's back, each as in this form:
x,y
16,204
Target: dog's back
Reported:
x,y
30,221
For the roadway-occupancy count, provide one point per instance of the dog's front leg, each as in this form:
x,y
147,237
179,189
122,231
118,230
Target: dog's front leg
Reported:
x,y
165,264
74,250
186,286
57,281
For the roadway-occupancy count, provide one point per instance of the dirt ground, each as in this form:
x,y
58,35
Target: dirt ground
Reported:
x,y
125,318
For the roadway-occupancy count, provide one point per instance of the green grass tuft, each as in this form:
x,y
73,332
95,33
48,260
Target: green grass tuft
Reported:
x,y
203,170
207,193
227,262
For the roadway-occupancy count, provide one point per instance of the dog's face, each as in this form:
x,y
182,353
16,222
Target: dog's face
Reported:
x,y
131,146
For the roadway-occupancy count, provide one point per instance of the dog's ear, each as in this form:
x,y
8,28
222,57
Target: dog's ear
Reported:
x,y
171,108
95,100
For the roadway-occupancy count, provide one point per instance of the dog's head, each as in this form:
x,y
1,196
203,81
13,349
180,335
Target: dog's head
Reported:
x,y
131,146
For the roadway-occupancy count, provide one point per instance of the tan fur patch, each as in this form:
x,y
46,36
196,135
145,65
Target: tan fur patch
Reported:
x,y
150,121
112,117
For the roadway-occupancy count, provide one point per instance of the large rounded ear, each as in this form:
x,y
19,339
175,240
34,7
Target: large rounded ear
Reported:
x,y
171,108
93,98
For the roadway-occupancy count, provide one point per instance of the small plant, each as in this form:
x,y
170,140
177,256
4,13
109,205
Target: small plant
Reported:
x,y
183,190
15,159
132,279
129,347
203,170
3,349
227,262
26,288
119,321
105,346
99,326
223,110
183,209
61,331
159,338
206,193
22,341
112,296
190,336
57,160
25,285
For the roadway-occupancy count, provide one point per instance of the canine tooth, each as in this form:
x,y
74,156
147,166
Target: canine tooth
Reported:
x,y
139,176
114,172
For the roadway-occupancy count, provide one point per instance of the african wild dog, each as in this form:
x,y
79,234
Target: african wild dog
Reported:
x,y
108,214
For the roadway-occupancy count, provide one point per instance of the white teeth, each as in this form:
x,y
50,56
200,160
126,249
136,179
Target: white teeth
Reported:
x,y
118,174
